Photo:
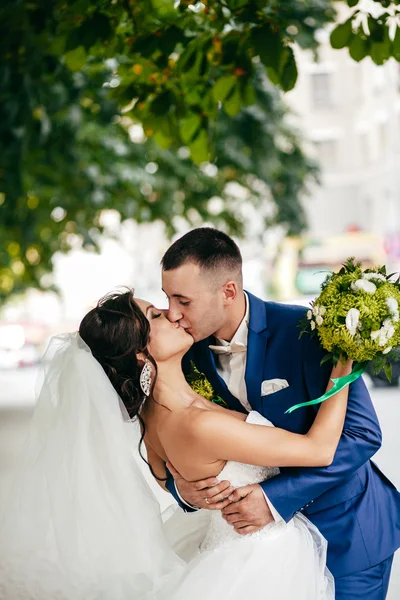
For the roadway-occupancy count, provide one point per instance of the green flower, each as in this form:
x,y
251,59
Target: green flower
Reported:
x,y
200,384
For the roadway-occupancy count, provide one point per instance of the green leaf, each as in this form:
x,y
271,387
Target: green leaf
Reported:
x,y
328,357
232,105
223,87
380,52
358,48
388,371
189,127
162,140
75,59
396,45
161,103
273,76
269,46
57,45
377,29
98,27
341,35
236,4
352,3
199,147
249,95
193,97
288,70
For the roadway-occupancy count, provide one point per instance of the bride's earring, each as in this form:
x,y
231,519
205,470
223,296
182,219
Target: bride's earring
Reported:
x,y
145,378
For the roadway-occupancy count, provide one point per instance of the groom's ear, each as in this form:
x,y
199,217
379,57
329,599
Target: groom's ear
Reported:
x,y
230,291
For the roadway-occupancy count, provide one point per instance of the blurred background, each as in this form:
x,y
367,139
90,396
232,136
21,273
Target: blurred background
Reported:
x,y
126,125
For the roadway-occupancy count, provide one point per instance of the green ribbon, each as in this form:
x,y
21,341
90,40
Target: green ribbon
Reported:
x,y
338,384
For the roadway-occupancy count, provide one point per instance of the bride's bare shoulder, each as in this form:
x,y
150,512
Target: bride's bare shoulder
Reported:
x,y
205,420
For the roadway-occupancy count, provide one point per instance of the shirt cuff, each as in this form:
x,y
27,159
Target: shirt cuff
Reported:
x,y
184,501
274,512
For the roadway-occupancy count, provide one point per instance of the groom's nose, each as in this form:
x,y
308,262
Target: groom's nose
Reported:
x,y
174,314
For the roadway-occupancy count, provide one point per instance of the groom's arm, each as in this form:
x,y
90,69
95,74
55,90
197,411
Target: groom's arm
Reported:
x,y
294,488
171,487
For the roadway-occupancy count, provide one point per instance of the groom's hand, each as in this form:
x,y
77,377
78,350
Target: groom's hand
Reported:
x,y
206,493
248,511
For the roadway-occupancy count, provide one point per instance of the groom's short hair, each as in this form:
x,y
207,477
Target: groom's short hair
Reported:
x,y
209,248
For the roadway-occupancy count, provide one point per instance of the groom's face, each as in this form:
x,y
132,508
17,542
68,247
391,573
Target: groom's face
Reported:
x,y
195,299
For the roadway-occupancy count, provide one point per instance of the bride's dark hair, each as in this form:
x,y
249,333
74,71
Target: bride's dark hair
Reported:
x,y
116,331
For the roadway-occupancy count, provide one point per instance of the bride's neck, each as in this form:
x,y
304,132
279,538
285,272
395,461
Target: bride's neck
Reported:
x,y
171,388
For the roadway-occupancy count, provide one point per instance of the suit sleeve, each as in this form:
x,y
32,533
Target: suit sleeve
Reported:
x,y
294,488
170,484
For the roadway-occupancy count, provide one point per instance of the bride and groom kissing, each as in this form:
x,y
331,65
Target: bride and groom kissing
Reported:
x,y
293,500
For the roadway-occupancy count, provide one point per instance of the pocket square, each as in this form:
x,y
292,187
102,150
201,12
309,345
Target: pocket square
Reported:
x,y
270,386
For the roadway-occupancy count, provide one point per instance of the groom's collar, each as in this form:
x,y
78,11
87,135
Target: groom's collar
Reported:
x,y
242,331
258,314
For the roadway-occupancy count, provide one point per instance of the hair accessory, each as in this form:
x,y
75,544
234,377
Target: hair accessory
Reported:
x,y
145,378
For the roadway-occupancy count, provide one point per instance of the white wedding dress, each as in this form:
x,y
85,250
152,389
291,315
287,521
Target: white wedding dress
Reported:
x,y
79,521
283,561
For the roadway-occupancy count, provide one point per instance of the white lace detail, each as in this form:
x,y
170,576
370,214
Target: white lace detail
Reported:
x,y
240,474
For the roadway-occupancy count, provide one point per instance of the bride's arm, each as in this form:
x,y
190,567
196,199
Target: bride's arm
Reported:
x,y
226,437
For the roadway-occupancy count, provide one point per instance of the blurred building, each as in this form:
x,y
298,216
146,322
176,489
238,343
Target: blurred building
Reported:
x,y
349,114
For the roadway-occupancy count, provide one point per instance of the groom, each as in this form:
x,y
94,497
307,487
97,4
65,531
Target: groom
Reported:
x,y
251,353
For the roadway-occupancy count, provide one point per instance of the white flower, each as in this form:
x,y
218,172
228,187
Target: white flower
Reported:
x,y
315,310
365,285
352,320
388,328
395,316
322,310
383,334
387,350
309,315
319,320
392,305
312,323
376,276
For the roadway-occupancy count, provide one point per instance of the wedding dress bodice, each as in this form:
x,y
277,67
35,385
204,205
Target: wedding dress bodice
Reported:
x,y
239,474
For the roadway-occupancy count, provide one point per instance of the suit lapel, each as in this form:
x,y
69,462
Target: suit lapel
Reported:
x,y
256,350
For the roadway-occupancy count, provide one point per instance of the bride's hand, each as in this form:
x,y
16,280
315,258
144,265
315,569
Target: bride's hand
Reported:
x,y
207,493
342,369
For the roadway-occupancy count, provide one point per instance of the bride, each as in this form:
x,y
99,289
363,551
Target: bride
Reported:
x,y
81,523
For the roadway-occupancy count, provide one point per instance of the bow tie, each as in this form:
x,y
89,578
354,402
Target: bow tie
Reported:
x,y
233,348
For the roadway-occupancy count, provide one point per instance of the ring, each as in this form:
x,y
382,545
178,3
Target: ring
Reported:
x,y
207,500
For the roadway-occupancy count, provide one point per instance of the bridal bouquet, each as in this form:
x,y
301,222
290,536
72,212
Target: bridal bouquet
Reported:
x,y
356,316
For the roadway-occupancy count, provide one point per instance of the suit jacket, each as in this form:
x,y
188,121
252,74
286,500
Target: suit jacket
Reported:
x,y
356,508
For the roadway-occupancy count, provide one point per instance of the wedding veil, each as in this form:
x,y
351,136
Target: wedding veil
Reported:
x,y
79,521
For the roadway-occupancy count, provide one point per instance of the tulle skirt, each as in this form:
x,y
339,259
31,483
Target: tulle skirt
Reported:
x,y
286,562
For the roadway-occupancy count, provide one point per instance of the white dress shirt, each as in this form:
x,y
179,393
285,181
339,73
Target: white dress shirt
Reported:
x,y
231,368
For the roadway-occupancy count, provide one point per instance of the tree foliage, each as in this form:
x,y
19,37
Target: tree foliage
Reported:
x,y
200,78
67,152
372,29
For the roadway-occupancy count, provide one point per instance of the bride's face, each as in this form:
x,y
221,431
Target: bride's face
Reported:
x,y
166,339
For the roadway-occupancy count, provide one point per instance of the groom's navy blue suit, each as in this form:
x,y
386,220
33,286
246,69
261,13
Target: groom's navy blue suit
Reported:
x,y
356,508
